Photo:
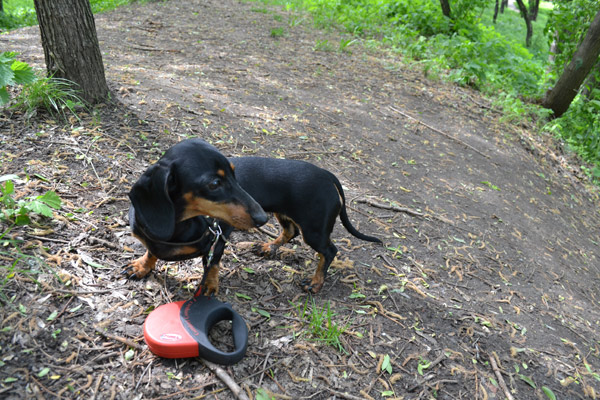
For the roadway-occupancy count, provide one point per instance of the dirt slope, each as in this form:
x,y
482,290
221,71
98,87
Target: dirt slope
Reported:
x,y
491,243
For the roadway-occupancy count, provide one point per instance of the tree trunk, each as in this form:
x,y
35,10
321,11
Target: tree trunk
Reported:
x,y
503,4
496,11
71,46
559,98
534,6
525,16
592,82
445,7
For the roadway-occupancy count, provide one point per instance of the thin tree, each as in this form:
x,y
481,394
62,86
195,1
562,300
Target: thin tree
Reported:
x,y
71,47
525,16
503,5
534,7
496,7
559,98
445,8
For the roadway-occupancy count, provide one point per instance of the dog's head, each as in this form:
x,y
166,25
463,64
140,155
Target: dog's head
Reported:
x,y
192,178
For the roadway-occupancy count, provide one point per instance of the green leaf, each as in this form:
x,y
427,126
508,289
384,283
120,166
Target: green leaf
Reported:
x,y
264,313
7,75
261,394
75,309
51,198
387,365
357,295
423,365
528,380
549,393
129,355
40,208
22,219
23,73
8,177
52,316
4,97
43,372
243,296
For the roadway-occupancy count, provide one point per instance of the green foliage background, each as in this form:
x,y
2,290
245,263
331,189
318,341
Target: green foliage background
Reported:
x,y
469,49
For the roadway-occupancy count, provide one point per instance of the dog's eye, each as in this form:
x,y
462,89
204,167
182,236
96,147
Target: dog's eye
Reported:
x,y
215,184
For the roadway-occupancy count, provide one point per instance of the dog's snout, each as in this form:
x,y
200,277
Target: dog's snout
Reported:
x,y
260,218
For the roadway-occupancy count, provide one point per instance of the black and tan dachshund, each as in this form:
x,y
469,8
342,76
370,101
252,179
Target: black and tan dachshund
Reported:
x,y
305,199
170,202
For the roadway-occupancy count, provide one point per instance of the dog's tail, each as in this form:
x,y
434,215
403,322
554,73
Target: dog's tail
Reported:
x,y
344,216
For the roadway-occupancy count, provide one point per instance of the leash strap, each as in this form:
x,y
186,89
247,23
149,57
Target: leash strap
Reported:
x,y
216,230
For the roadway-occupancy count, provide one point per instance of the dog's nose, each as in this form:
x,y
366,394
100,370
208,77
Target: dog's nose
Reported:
x,y
260,218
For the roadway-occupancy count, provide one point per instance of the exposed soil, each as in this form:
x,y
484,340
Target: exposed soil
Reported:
x,y
487,286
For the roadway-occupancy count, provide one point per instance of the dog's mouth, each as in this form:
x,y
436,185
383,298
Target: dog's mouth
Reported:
x,y
233,214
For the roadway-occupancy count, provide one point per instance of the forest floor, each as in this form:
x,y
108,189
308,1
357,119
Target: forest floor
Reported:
x,y
486,286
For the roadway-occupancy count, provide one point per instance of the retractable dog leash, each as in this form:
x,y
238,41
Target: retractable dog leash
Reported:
x,y
180,329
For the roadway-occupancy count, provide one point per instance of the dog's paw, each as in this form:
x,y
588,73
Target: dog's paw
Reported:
x,y
134,270
211,288
211,283
312,285
265,249
139,268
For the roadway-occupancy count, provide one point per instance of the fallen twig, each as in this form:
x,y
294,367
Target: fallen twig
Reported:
x,y
406,210
390,207
344,395
440,132
499,377
123,340
192,389
422,381
227,380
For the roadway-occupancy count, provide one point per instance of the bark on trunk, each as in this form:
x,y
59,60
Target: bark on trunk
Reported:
x,y
445,7
71,47
559,98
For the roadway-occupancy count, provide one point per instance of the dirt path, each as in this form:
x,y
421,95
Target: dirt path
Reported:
x,y
491,243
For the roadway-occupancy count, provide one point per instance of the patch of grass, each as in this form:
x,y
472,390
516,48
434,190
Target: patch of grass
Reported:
x,y
346,43
323,45
260,10
277,32
320,324
55,95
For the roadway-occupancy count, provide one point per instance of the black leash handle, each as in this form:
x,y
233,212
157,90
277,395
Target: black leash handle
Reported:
x,y
199,314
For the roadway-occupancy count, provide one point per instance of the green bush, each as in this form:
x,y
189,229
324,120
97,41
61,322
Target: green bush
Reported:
x,y
19,212
12,73
580,128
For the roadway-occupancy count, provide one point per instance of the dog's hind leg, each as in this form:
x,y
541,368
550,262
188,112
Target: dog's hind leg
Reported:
x,y
315,284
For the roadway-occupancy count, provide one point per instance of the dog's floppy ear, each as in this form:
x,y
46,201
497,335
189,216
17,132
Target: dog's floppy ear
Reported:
x,y
150,198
